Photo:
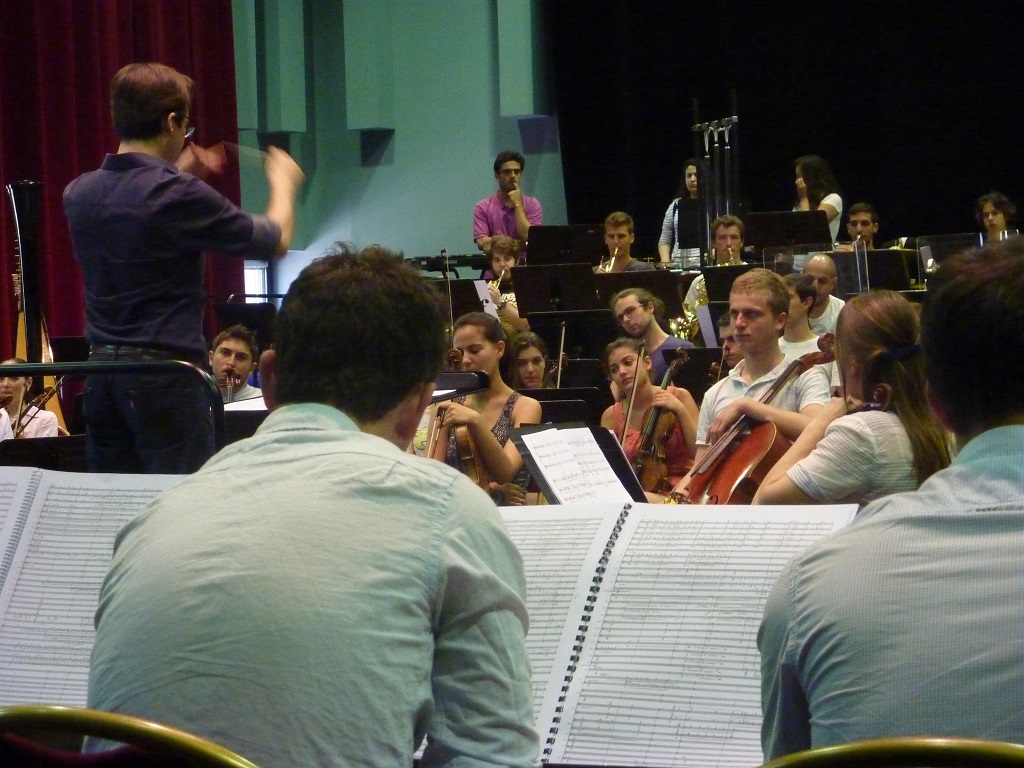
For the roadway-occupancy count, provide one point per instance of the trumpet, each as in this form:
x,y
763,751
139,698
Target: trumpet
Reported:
x,y
496,283
607,266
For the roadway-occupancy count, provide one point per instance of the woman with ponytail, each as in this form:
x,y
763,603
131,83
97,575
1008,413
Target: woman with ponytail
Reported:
x,y
881,437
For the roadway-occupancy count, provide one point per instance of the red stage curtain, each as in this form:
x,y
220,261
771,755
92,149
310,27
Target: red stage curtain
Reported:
x,y
58,58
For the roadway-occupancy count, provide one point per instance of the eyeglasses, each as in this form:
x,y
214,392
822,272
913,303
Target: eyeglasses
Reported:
x,y
191,127
627,312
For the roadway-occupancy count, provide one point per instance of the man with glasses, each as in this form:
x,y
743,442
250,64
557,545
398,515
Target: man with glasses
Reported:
x,y
139,227
508,211
637,311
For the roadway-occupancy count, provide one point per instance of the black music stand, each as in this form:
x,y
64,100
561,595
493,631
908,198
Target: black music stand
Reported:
x,y
550,244
554,288
769,228
594,402
587,331
718,280
465,299
584,372
660,282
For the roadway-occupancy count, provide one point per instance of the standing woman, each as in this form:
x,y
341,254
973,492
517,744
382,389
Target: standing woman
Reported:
x,y
816,189
880,438
679,240
628,366
489,415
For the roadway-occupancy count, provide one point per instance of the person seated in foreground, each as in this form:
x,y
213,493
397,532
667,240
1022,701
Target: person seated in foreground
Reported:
x,y
233,357
629,367
758,304
908,622
21,418
881,432
352,598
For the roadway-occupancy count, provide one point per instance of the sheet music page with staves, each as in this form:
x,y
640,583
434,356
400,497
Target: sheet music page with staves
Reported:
x,y
670,674
574,466
15,483
49,600
560,546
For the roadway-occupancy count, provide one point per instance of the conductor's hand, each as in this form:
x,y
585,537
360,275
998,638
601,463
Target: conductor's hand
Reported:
x,y
283,173
202,162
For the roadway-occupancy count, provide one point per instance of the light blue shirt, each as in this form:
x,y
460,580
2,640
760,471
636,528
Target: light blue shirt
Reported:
x,y
315,596
909,622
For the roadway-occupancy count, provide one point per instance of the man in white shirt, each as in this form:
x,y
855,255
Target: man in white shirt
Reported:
x,y
797,338
825,311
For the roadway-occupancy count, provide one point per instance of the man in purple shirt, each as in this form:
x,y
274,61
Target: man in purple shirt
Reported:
x,y
508,211
139,226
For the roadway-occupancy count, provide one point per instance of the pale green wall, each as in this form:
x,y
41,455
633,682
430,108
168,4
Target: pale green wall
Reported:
x,y
429,77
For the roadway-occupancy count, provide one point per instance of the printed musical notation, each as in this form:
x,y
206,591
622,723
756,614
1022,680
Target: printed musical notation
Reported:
x,y
48,598
669,672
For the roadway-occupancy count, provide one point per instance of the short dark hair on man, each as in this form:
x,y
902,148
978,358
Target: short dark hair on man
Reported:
x,y
509,154
143,94
728,221
802,284
867,208
1001,203
973,334
238,333
357,331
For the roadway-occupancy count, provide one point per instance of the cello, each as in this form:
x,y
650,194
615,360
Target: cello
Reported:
x,y
731,470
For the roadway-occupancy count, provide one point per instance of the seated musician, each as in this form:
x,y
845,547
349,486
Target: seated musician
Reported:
x,y
529,356
489,415
881,433
618,239
19,418
825,310
758,303
797,338
638,312
861,226
233,357
731,354
727,242
504,256
629,368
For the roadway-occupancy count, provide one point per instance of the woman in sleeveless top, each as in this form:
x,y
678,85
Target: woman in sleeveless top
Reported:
x,y
626,368
490,415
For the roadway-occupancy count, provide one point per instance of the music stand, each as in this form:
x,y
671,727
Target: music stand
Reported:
x,y
938,248
554,288
769,228
718,280
660,282
550,244
465,299
595,400
587,331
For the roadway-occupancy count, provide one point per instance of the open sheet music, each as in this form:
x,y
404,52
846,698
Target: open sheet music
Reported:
x,y
57,534
643,625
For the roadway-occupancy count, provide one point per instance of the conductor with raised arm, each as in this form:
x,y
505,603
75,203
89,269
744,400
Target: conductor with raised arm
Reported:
x,y
139,227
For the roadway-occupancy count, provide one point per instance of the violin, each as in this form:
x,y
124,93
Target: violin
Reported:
x,y
732,469
651,462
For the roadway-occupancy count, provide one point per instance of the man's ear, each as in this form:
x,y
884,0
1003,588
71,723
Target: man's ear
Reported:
x,y
410,412
268,378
